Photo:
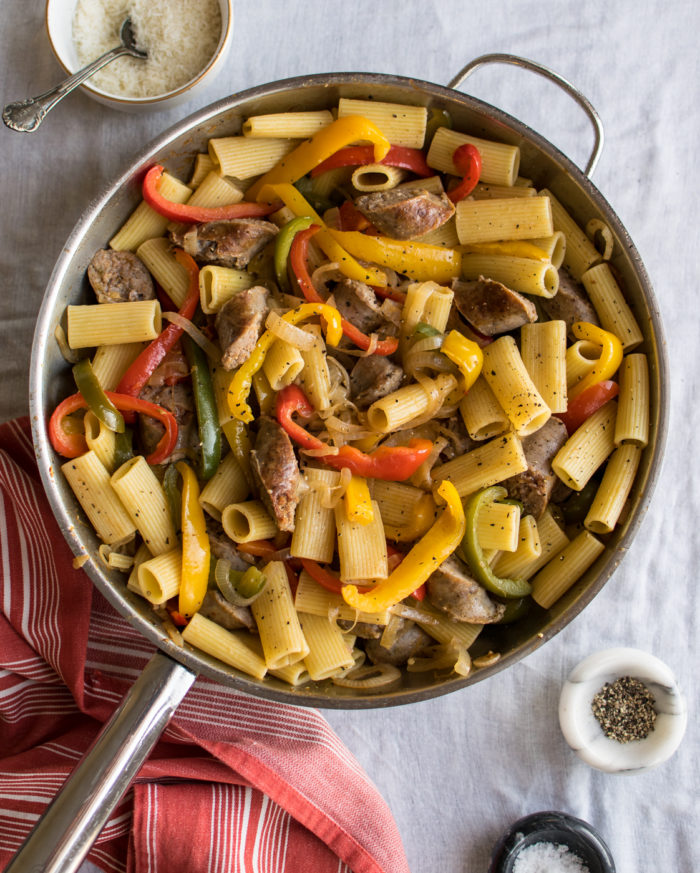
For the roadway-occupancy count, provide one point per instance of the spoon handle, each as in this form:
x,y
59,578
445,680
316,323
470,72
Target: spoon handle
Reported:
x,y
26,115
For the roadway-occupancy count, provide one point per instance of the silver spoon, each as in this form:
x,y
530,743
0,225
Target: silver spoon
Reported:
x,y
27,115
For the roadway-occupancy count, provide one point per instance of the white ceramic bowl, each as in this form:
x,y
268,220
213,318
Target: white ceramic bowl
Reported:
x,y
59,25
585,736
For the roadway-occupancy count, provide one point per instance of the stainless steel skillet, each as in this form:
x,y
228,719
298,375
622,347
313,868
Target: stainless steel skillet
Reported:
x,y
64,835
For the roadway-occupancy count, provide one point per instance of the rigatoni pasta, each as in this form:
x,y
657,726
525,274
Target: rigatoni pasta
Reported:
x,y
325,432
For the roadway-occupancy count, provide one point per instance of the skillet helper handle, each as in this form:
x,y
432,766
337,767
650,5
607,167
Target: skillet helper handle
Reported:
x,y
541,70
65,833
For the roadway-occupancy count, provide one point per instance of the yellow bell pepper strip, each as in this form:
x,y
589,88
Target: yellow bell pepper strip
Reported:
x,y
465,354
609,360
297,259
301,207
474,554
195,214
419,261
423,559
513,248
358,503
322,145
196,551
240,386
422,516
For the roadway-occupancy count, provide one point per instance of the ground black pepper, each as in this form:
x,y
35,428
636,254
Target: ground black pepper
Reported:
x,y
625,709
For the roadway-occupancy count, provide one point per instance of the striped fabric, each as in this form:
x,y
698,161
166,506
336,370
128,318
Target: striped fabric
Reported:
x,y
235,784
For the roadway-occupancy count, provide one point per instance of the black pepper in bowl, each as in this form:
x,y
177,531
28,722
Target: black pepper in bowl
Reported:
x,y
625,709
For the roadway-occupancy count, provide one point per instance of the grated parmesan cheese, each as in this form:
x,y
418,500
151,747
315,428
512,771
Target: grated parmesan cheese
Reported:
x,y
180,37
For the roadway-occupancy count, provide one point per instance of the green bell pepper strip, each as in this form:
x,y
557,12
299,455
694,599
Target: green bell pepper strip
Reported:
x,y
437,118
123,447
424,329
205,404
172,492
95,397
472,551
283,244
515,609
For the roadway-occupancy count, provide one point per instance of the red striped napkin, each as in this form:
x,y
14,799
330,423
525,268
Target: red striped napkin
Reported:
x,y
236,783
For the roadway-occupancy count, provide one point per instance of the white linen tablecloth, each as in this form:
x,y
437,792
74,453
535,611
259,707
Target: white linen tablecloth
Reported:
x,y
457,770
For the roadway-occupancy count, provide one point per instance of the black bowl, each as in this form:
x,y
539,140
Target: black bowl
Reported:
x,y
552,827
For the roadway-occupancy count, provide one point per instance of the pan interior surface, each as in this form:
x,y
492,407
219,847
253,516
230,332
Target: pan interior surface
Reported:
x,y
50,378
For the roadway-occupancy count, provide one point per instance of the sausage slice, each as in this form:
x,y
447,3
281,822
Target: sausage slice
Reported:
x,y
452,590
533,487
405,214
226,243
276,472
490,307
239,323
119,277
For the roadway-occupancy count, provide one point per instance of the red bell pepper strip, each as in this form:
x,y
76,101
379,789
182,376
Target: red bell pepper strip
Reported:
x,y
71,445
391,293
350,217
324,577
297,258
197,214
141,370
355,156
257,548
468,161
586,403
391,463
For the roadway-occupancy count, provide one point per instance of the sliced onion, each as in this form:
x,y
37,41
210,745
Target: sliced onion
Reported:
x,y
371,678
290,333
320,452
372,347
449,656
212,351
227,588
69,355
391,310
391,631
326,273
417,615
189,242
359,657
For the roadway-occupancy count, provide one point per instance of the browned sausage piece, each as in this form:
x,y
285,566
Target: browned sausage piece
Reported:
x,y
356,302
490,307
570,303
222,546
405,214
410,642
226,243
216,608
533,487
119,277
373,377
239,323
179,400
452,590
276,472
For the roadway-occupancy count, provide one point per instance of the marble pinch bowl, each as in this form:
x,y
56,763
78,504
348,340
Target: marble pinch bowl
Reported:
x,y
585,736
59,26
552,827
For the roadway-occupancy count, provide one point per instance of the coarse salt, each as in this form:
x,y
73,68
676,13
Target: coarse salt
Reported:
x,y
546,857
179,36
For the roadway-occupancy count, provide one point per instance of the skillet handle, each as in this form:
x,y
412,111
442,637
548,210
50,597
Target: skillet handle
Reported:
x,y
65,833
582,101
